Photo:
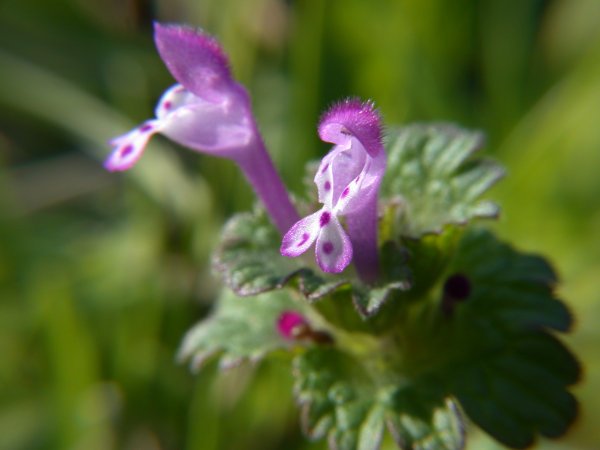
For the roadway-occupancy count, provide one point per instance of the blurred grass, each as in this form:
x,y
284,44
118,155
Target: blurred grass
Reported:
x,y
100,275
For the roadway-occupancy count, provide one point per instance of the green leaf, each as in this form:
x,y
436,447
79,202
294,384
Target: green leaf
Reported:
x,y
510,289
429,256
239,329
342,400
432,180
509,372
249,260
396,278
248,257
423,422
368,301
513,395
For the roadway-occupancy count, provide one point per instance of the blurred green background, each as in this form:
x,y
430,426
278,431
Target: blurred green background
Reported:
x,y
101,274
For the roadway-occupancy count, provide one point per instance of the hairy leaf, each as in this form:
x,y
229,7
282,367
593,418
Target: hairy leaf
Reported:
x,y
238,329
513,290
249,260
432,180
342,401
508,370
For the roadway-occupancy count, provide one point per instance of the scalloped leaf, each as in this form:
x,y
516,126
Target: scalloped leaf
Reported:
x,y
434,178
239,329
368,301
509,372
248,258
340,400
425,421
511,290
513,394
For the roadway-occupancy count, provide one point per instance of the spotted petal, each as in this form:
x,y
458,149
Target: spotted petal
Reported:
x,y
301,236
338,169
324,180
333,248
362,190
129,147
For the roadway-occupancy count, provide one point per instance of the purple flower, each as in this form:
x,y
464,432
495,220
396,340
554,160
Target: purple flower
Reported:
x,y
208,111
348,182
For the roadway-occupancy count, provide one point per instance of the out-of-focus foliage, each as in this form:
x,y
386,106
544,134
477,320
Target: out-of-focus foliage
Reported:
x,y
101,275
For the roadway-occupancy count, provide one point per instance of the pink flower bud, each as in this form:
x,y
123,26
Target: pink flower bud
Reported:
x,y
291,325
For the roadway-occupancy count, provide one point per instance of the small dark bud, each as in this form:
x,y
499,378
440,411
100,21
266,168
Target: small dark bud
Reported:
x,y
457,288
292,326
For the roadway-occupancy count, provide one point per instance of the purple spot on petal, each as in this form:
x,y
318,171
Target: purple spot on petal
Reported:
x,y
345,192
328,248
327,185
325,168
146,127
305,237
324,219
126,150
167,105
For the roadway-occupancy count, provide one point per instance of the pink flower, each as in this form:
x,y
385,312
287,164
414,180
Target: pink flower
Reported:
x,y
209,112
291,324
348,182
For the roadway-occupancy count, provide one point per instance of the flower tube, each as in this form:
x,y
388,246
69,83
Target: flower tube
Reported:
x,y
207,111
